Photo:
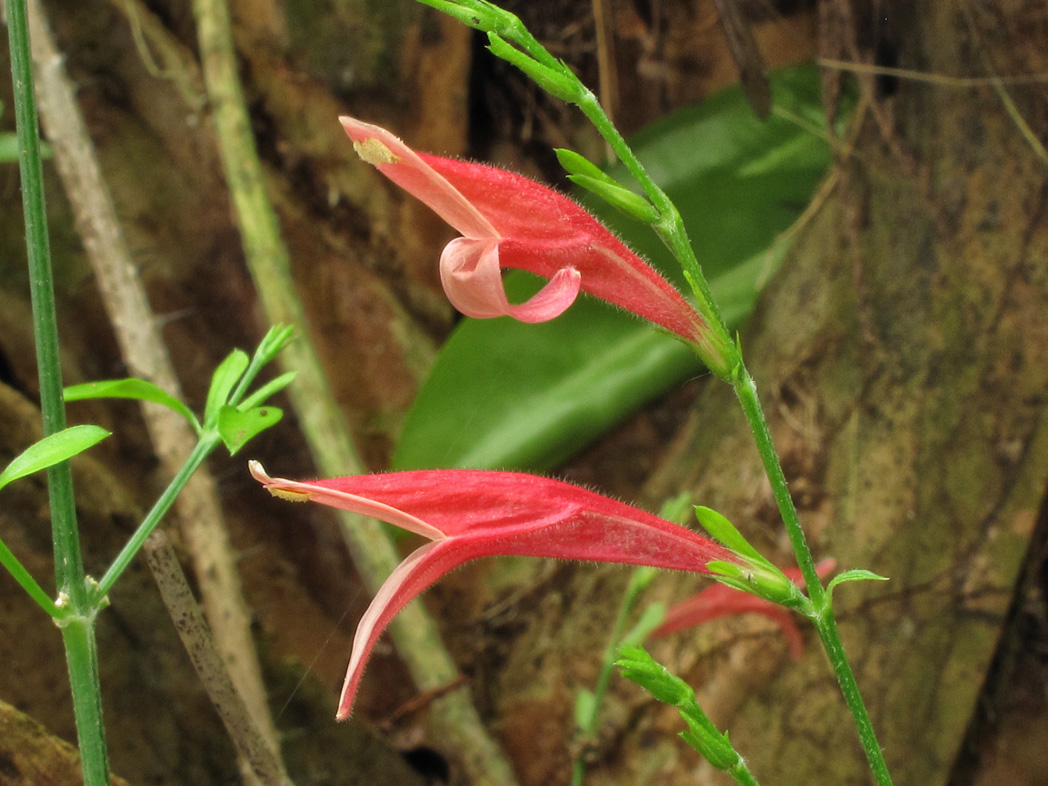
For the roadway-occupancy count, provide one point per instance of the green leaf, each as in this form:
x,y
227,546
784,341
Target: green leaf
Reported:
x,y
724,531
576,164
622,199
273,343
132,388
512,396
854,575
223,381
271,388
236,428
637,665
52,450
548,78
276,338
760,578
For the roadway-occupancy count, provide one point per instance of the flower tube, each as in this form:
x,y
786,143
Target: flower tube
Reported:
x,y
467,514
510,221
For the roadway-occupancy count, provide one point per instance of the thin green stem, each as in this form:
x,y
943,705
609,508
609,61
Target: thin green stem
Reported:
x,y
670,226
746,391
589,726
671,229
822,618
741,774
560,81
77,622
208,442
69,569
826,625
78,636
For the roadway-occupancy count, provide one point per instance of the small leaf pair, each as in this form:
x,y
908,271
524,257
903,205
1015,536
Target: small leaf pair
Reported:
x,y
229,412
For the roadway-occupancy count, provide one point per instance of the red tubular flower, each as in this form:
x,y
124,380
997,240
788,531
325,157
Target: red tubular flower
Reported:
x,y
507,220
719,600
473,513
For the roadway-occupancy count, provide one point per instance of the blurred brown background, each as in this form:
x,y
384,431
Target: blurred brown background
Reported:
x,y
900,354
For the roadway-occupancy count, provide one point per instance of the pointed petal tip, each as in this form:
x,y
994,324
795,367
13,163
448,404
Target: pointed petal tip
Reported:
x,y
282,488
347,696
258,472
350,123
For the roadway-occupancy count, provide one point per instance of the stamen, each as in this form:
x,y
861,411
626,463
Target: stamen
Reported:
x,y
373,152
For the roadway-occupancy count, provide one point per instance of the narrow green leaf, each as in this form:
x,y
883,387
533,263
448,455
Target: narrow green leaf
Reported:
x,y
576,164
473,15
51,450
511,396
729,573
276,338
138,389
854,575
236,428
269,389
271,345
724,531
223,381
637,665
624,200
545,76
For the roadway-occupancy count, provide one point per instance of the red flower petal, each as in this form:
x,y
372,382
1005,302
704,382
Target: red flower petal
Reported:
x,y
473,513
531,227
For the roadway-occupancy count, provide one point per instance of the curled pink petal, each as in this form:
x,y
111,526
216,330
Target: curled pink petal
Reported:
x,y
474,513
472,279
552,300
